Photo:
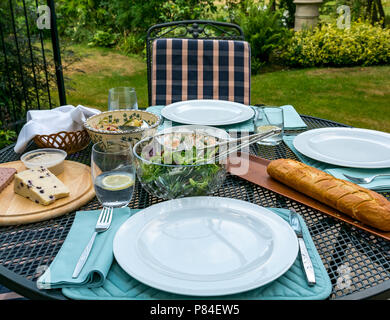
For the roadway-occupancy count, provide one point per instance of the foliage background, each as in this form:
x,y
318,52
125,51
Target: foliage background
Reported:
x,y
121,25
23,82
267,25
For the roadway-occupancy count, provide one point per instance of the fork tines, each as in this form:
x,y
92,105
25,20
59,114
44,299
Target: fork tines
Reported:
x,y
106,215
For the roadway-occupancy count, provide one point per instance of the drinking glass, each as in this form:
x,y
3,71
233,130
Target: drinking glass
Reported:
x,y
122,98
267,118
113,173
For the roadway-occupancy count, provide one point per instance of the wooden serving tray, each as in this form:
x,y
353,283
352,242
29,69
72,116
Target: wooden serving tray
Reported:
x,y
257,174
15,209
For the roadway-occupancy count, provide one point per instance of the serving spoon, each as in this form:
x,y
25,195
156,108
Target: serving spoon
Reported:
x,y
239,143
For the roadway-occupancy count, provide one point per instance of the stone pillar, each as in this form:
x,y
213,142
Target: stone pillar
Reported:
x,y
306,13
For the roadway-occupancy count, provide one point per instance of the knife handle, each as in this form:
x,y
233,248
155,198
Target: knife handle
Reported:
x,y
306,261
84,256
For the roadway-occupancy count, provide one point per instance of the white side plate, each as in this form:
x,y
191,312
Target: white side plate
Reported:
x,y
207,112
348,147
205,246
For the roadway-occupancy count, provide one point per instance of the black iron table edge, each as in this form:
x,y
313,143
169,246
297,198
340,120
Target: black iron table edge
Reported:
x,y
7,148
27,288
321,119
379,292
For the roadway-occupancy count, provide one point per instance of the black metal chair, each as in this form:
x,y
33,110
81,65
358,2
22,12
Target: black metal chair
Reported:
x,y
196,31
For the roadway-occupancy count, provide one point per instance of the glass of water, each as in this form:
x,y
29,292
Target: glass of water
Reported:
x,y
122,98
267,118
113,173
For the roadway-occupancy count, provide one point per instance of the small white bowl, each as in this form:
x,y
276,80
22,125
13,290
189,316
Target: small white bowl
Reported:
x,y
50,158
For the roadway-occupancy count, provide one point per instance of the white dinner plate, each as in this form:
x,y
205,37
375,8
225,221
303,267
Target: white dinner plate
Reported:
x,y
348,147
205,246
207,112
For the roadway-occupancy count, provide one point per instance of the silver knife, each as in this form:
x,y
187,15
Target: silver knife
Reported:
x,y
306,261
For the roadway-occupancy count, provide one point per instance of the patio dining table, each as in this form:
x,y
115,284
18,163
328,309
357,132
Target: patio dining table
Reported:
x,y
26,248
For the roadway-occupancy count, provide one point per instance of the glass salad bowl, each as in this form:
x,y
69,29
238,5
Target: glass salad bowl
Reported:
x,y
177,165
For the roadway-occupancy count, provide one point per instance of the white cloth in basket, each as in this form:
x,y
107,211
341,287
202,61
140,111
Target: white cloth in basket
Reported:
x,y
40,122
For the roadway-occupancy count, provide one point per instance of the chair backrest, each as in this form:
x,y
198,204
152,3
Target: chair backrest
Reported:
x,y
197,59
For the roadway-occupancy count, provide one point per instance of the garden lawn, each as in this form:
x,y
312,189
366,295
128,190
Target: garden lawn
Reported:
x,y
88,80
356,96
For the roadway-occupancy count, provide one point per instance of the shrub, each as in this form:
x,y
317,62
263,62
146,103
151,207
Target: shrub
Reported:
x,y
81,20
7,137
370,10
289,7
327,45
131,43
176,10
103,39
23,84
263,29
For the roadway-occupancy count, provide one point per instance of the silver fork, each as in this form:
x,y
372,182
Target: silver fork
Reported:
x,y
103,223
364,180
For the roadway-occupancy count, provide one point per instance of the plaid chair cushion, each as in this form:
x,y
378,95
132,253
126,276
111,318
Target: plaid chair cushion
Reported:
x,y
186,69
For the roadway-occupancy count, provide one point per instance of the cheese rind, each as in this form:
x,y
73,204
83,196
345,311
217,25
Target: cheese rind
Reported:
x,y
40,186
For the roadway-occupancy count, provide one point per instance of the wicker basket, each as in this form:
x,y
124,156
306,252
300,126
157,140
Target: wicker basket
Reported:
x,y
70,142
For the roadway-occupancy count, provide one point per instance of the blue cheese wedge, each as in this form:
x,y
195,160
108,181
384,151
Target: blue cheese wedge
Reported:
x,y
40,186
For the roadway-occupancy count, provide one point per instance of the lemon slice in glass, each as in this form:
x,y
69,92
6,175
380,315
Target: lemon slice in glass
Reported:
x,y
265,128
115,182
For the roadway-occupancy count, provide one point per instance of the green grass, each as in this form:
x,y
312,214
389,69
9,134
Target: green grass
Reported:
x,y
92,89
356,96
101,69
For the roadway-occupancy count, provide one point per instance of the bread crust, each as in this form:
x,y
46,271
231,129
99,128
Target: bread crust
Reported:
x,y
6,176
359,203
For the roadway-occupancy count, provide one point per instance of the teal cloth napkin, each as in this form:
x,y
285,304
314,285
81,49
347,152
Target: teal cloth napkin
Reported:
x,y
292,285
379,184
59,273
292,120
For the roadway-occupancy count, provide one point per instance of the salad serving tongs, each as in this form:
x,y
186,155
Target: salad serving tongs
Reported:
x,y
230,146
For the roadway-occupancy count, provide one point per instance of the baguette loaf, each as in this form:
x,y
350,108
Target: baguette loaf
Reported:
x,y
360,203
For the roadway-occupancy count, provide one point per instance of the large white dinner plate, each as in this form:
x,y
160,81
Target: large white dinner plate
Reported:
x,y
349,147
207,112
205,246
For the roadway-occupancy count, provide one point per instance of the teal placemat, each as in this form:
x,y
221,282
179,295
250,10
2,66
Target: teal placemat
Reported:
x,y
290,286
242,126
382,184
93,274
292,120
289,141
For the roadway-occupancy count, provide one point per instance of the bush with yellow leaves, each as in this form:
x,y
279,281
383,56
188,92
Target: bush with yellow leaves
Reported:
x,y
360,45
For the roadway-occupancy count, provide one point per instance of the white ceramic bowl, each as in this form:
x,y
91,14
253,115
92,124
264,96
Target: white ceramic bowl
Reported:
x,y
50,158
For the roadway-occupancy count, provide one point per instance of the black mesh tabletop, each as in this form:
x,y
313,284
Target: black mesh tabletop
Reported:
x,y
357,262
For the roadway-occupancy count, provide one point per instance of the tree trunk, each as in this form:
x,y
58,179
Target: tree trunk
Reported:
x,y
381,11
375,12
273,5
369,9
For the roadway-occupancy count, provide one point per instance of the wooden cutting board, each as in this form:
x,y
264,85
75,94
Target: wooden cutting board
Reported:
x,y
15,209
254,169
